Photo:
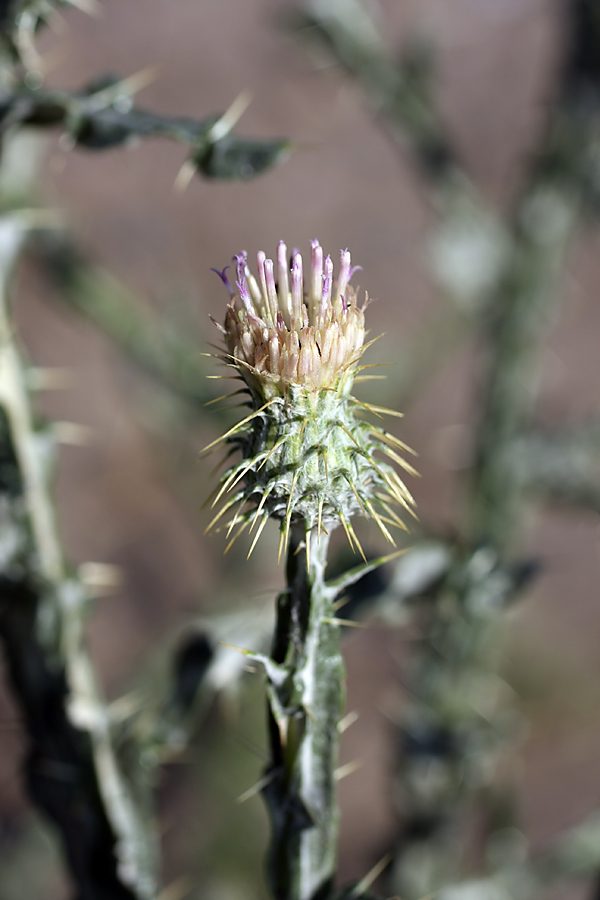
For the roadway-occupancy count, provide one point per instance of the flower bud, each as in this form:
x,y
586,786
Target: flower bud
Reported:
x,y
307,452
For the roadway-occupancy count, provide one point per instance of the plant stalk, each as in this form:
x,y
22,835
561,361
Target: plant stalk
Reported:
x,y
306,695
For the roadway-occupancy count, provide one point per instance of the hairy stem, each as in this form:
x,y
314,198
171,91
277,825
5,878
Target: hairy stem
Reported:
x,y
306,692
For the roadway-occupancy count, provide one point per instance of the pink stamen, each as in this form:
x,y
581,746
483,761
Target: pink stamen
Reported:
x,y
344,274
271,290
260,262
316,281
282,275
297,289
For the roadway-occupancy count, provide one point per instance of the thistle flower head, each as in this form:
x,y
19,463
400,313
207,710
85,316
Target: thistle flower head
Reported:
x,y
299,330
307,454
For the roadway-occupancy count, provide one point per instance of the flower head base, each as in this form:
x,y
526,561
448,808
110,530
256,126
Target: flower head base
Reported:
x,y
285,336
307,455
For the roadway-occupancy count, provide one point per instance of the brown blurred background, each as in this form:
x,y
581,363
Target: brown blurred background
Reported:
x,y
133,496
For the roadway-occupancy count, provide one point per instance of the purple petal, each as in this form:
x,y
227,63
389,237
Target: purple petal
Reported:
x,y
242,284
224,279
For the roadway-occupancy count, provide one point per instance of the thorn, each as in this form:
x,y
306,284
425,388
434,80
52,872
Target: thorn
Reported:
x,y
307,543
388,438
343,771
240,531
345,526
382,527
261,504
231,502
351,436
384,410
353,575
348,720
374,366
224,488
126,706
100,578
258,534
244,471
128,86
356,541
320,518
279,549
223,397
398,496
370,344
403,446
394,519
236,517
255,789
392,489
239,424
237,649
355,492
398,459
396,523
350,623
180,185
363,886
230,117
73,434
275,447
223,377
366,405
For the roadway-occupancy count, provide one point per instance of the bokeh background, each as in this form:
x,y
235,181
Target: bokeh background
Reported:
x,y
132,496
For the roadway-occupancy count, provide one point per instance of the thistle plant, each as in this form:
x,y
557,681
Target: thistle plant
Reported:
x,y
308,460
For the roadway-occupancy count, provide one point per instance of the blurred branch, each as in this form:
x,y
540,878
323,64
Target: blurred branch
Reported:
x,y
102,116
513,329
398,92
42,623
161,349
562,466
503,276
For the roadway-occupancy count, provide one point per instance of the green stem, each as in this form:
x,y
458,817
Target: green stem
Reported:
x,y
306,693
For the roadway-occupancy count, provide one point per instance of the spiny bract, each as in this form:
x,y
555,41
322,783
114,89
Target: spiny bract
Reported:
x,y
307,453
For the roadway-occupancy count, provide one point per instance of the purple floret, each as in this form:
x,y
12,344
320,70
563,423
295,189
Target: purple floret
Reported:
x,y
224,279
